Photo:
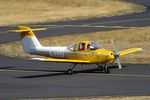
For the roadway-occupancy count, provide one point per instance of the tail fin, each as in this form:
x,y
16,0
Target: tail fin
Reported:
x,y
28,38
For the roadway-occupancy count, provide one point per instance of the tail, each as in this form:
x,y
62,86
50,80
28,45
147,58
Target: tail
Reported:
x,y
28,39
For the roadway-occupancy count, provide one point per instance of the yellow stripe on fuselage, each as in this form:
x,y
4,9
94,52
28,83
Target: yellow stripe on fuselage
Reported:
x,y
96,56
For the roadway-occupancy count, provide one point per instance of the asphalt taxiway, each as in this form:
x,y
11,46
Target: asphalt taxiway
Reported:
x,y
20,78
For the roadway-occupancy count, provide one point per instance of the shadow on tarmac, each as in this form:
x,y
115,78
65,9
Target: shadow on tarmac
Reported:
x,y
56,72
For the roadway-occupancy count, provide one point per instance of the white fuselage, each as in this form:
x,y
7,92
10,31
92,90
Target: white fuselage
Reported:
x,y
32,45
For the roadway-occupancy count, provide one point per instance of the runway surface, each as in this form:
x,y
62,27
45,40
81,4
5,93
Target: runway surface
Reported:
x,y
20,78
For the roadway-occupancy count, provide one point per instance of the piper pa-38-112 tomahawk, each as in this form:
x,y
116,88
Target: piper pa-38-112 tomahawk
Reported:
x,y
84,52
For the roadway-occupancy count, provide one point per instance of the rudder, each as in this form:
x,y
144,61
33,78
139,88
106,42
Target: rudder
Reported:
x,y
28,39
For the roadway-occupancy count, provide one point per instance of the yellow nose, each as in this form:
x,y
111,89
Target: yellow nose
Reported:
x,y
111,58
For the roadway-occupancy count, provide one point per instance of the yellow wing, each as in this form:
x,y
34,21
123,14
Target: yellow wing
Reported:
x,y
128,51
60,60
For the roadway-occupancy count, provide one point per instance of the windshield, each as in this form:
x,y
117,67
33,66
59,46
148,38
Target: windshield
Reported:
x,y
93,45
81,46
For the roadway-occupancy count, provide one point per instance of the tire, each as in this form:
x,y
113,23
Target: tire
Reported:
x,y
106,70
100,68
69,72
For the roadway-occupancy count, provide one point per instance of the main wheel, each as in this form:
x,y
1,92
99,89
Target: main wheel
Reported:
x,y
69,72
100,68
106,69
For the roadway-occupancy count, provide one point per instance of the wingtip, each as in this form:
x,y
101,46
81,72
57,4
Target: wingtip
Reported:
x,y
140,49
35,59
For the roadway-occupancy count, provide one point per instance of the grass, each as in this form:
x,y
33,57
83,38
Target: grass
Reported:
x,y
102,98
124,39
33,11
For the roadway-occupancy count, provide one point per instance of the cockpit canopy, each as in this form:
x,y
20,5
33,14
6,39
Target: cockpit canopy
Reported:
x,y
84,46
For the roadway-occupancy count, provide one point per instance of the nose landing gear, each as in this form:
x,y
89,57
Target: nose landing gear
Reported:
x,y
104,68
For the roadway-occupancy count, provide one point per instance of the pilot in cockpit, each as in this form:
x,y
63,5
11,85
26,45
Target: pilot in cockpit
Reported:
x,y
93,45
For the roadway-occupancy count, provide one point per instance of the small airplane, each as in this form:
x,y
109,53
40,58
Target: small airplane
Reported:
x,y
83,52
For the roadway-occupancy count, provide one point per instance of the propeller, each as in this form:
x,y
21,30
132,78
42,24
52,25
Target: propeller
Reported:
x,y
116,54
117,59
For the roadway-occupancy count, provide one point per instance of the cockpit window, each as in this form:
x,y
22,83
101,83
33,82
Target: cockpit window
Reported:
x,y
82,46
72,47
93,46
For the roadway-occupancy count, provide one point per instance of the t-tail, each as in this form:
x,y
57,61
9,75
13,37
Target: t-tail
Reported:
x,y
28,39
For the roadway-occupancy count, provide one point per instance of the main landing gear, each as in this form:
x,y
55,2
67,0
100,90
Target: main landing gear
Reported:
x,y
69,71
104,68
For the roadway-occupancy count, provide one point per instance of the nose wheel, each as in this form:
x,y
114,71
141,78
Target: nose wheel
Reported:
x,y
104,68
69,72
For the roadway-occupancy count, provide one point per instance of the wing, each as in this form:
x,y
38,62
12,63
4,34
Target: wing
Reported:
x,y
128,51
60,60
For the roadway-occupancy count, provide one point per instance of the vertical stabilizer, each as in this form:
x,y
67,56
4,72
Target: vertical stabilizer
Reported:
x,y
28,39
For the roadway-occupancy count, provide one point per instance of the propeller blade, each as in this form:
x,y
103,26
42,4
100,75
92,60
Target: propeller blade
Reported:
x,y
116,54
118,62
113,45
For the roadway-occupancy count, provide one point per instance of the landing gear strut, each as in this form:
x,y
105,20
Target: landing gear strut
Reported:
x,y
104,68
69,71
100,68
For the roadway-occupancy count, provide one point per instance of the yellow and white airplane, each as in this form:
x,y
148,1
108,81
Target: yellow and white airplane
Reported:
x,y
84,52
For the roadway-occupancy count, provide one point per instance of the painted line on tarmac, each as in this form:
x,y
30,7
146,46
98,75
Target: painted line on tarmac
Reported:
x,y
120,21
89,25
99,26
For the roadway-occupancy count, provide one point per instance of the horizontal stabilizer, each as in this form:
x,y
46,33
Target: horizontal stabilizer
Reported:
x,y
27,30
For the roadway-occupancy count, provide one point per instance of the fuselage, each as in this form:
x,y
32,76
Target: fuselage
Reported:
x,y
94,56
